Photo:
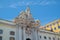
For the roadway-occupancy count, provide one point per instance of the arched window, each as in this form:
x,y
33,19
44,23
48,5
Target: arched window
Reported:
x,y
1,31
45,37
49,38
58,38
12,33
53,38
28,39
12,38
40,36
0,37
47,25
54,28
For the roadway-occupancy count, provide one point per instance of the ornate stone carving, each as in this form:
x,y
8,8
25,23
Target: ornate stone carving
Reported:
x,y
28,30
26,20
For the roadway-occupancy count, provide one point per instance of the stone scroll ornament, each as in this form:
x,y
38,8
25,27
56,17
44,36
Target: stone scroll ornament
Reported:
x,y
28,31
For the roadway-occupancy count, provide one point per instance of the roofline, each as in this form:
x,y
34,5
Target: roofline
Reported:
x,y
46,31
7,21
52,21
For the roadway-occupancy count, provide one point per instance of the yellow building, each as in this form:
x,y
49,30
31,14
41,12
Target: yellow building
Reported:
x,y
53,26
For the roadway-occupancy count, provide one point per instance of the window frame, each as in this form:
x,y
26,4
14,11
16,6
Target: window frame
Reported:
x,y
45,37
1,31
13,38
1,37
53,38
12,33
49,38
40,36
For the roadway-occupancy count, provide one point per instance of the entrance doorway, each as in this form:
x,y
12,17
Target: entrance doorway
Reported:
x,y
28,39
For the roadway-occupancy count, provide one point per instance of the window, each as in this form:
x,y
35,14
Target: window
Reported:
x,y
58,26
12,38
58,38
12,33
28,26
44,37
0,38
54,28
47,25
1,31
21,23
28,39
53,38
51,30
49,38
40,36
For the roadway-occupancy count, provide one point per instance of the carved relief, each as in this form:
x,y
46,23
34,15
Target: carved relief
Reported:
x,y
28,30
25,19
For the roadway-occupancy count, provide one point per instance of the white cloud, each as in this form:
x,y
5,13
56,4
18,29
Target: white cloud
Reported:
x,y
47,2
25,3
12,6
42,3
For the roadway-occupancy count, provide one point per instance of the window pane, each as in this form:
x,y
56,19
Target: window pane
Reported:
x,y
53,38
0,38
54,28
47,25
58,26
51,29
58,39
44,37
12,33
12,38
1,31
49,38
40,36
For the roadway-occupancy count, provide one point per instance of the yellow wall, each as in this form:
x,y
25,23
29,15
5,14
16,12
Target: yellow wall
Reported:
x,y
48,28
53,26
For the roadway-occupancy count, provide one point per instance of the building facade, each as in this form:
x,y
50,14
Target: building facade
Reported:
x,y
53,26
24,27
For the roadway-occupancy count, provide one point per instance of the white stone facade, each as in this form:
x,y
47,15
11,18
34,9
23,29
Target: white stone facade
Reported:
x,y
25,27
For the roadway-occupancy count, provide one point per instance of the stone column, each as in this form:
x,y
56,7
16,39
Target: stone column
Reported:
x,y
37,35
36,38
24,34
20,33
17,32
33,34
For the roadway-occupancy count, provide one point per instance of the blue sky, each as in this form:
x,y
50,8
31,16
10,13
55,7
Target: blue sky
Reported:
x,y
44,10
